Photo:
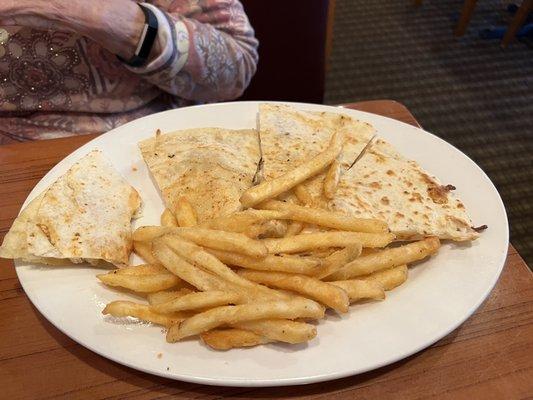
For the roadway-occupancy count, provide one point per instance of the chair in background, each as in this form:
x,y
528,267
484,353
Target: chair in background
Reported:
x,y
293,36
464,19
521,14
520,17
466,16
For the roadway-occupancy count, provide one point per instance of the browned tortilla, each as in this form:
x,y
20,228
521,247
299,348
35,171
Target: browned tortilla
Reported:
x,y
211,167
83,216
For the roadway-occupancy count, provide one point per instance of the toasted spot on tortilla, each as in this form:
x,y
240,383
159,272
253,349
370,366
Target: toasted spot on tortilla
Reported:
x,y
438,193
416,197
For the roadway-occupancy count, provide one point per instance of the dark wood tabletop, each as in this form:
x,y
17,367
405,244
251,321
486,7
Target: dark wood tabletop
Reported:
x,y
490,356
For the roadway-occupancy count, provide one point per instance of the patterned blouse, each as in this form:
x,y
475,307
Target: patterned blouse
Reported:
x,y
55,84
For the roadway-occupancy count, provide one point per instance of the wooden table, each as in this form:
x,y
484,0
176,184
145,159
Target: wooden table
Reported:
x,y
489,357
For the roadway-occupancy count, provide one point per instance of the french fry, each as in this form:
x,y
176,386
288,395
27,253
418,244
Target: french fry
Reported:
x,y
231,315
368,250
304,195
266,229
226,339
330,219
144,250
387,258
339,259
166,295
313,288
320,254
281,330
201,258
322,240
308,228
242,221
186,271
145,234
359,289
294,228
198,300
228,241
285,263
331,180
143,312
389,278
168,219
140,283
220,240
185,213
272,188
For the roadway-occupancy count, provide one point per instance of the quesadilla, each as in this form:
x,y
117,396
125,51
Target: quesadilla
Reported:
x,y
15,243
84,216
382,184
385,185
210,167
290,136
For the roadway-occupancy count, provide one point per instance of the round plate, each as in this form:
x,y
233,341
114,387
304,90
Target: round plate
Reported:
x,y
438,296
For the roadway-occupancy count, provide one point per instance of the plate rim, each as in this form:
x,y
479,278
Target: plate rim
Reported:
x,y
246,382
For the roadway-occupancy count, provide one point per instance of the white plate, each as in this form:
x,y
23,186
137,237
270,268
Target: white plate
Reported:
x,y
438,297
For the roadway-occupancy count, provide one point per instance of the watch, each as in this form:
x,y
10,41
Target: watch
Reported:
x,y
146,42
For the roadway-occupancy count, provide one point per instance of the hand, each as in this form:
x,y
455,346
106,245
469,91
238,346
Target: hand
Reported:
x,y
115,24
25,13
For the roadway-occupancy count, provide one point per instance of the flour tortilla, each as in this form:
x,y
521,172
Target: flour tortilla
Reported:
x,y
15,243
382,184
211,167
385,185
290,136
84,216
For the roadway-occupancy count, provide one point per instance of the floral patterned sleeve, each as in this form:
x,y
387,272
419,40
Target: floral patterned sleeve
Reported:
x,y
208,49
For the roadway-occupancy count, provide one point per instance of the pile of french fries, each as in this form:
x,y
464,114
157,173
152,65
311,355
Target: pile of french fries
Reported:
x,y
261,275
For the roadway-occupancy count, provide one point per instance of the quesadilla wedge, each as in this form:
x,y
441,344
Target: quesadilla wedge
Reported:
x,y
290,136
15,244
83,216
382,184
385,185
210,167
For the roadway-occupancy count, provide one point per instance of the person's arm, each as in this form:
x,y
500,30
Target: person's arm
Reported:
x,y
211,53
115,25
205,50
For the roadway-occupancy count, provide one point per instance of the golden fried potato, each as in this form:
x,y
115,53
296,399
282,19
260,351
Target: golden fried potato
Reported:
x,y
198,300
230,315
274,187
226,339
323,240
185,213
168,219
359,289
387,258
143,312
313,288
329,219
